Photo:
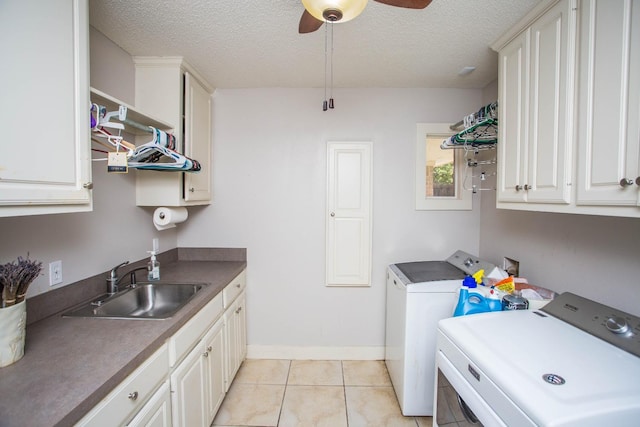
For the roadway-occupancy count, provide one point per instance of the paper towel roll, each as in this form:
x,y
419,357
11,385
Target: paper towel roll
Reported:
x,y
164,218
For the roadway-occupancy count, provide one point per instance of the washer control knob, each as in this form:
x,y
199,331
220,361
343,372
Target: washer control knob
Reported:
x,y
617,325
468,262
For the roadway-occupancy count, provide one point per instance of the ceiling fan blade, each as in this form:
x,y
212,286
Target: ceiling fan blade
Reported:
x,y
409,4
308,24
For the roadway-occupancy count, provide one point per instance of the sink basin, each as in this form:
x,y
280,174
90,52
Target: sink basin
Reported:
x,y
143,301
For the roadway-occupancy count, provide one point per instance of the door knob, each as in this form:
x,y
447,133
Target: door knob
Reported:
x,y
624,182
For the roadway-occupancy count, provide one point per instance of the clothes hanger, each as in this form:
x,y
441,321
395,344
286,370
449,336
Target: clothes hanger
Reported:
x,y
158,154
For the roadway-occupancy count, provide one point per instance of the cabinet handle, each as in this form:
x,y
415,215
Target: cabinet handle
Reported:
x,y
527,187
332,214
88,185
518,187
209,348
238,285
624,182
205,354
638,180
133,395
238,310
191,190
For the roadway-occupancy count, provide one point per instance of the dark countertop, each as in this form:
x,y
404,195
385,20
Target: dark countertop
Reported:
x,y
70,364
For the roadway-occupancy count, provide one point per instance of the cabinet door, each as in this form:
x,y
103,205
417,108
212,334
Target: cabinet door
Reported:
x,y
232,351
45,152
609,116
214,360
188,388
157,411
197,139
513,112
242,328
551,101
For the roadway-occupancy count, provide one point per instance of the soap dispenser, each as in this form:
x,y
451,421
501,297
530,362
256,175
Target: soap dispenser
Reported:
x,y
153,266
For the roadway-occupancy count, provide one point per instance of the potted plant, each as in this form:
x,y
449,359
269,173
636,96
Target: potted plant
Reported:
x,y
15,278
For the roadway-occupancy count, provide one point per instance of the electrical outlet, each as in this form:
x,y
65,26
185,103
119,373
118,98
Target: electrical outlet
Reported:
x,y
55,273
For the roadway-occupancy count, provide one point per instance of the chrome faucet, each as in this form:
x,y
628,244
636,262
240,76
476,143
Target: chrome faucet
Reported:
x,y
112,279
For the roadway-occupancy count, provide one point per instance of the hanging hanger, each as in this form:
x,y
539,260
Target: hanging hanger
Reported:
x,y
159,154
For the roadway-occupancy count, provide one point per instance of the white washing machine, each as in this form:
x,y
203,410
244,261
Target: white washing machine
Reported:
x,y
419,294
573,363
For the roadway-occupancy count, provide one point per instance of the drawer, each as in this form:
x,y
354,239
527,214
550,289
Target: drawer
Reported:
x,y
128,397
187,337
233,289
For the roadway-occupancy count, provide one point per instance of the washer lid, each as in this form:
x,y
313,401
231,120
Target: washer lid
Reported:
x,y
555,373
429,271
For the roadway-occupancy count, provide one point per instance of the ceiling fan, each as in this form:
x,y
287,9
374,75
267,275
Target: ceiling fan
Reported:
x,y
317,12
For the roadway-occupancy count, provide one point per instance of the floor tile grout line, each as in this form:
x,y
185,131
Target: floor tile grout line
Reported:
x,y
284,394
344,393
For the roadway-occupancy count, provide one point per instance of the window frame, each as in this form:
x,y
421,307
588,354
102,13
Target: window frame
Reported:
x,y
463,199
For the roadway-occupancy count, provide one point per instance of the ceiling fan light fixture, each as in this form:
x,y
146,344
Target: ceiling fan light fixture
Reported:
x,y
334,10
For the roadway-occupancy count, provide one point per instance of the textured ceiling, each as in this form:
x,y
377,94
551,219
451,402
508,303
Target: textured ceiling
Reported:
x,y
255,43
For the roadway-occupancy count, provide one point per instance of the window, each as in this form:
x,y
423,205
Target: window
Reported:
x,y
439,173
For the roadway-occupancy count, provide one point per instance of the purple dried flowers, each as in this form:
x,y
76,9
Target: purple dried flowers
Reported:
x,y
15,278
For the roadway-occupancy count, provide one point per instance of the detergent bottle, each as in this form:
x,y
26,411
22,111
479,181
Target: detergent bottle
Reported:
x,y
471,300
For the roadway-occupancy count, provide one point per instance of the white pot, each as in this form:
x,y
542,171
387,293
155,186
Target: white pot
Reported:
x,y
13,322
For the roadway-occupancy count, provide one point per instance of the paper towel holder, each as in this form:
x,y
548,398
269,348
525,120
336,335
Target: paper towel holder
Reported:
x,y
167,217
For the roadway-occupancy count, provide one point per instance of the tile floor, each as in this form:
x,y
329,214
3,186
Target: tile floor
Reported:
x,y
306,393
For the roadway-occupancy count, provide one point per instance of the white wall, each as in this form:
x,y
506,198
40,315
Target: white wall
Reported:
x,y
593,256
116,230
269,173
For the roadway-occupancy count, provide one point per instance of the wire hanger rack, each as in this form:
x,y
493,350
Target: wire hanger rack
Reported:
x,y
479,134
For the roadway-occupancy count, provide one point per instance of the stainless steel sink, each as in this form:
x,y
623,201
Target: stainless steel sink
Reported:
x,y
143,301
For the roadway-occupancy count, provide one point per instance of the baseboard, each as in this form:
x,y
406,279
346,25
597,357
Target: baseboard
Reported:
x,y
314,353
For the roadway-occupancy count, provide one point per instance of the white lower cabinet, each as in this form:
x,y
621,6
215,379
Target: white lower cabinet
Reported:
x,y
236,338
184,382
197,384
157,412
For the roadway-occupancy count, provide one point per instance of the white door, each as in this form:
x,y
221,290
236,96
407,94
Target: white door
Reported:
x,y
609,118
188,391
513,112
214,359
551,106
197,105
348,240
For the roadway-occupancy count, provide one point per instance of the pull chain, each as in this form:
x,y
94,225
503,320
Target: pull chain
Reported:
x,y
328,65
331,86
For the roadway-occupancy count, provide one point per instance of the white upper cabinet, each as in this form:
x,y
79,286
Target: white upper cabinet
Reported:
x,y
170,89
609,103
535,107
45,159
556,157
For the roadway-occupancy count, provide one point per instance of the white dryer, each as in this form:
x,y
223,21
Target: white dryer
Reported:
x,y
419,294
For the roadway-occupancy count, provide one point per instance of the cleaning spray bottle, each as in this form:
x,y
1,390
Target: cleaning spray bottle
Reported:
x,y
153,266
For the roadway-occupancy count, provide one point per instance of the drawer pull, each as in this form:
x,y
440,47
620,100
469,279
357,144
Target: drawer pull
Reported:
x,y
133,395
